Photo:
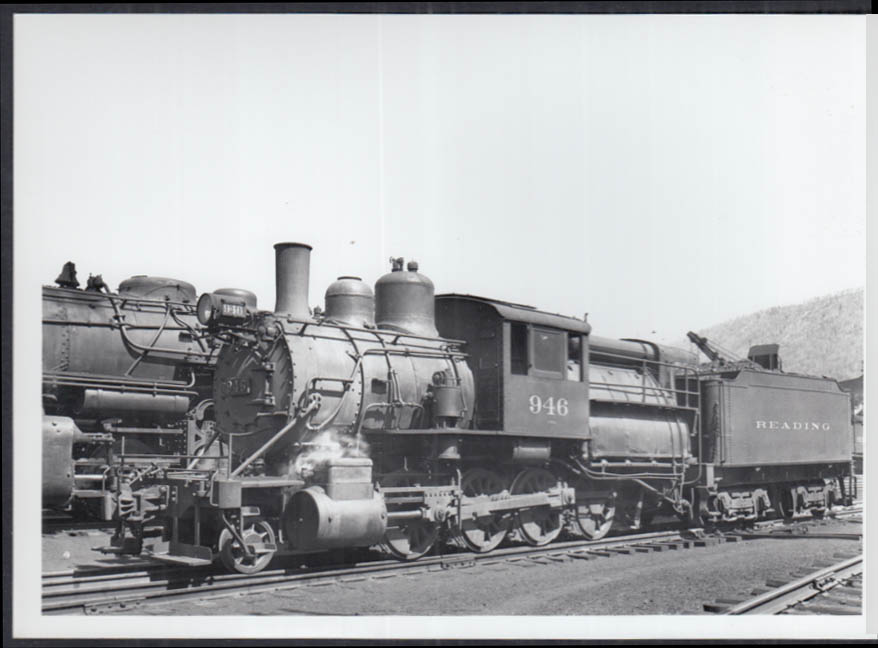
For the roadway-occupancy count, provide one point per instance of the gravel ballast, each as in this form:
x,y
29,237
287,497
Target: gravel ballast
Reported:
x,y
669,582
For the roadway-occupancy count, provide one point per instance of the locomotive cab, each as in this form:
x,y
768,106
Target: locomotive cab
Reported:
x,y
592,416
529,366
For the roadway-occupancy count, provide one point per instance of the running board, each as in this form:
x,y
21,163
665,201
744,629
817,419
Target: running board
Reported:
x,y
181,560
182,553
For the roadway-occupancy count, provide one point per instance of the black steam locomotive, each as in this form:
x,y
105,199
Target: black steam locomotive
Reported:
x,y
124,374
404,419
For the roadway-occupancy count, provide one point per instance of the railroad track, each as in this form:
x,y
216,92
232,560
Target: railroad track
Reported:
x,y
835,589
803,528
99,589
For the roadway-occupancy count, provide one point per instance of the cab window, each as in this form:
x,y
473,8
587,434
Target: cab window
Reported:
x,y
574,357
549,353
519,356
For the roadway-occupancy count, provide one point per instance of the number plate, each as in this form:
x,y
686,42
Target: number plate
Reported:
x,y
235,387
549,406
234,310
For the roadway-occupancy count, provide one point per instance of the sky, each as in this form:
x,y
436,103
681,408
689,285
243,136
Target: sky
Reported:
x,y
662,173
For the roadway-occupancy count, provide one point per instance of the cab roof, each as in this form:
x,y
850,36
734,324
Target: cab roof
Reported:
x,y
523,313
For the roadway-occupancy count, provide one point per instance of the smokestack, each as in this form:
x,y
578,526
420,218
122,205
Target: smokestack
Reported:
x,y
292,271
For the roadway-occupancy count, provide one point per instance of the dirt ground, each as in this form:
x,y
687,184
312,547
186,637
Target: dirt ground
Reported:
x,y
65,550
671,582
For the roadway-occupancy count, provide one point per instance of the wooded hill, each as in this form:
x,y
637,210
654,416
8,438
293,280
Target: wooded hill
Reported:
x,y
822,336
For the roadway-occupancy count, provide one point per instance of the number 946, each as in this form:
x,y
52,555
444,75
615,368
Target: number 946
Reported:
x,y
549,406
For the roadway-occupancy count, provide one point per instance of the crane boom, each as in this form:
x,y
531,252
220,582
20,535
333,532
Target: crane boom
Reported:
x,y
705,347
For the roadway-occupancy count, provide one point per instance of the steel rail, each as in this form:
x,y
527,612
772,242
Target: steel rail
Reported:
x,y
786,596
65,592
123,586
126,586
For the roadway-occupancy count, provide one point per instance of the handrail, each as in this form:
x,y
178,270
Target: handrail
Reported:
x,y
396,335
124,325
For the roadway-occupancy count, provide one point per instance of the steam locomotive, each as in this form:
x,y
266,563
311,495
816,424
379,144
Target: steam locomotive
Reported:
x,y
124,373
404,419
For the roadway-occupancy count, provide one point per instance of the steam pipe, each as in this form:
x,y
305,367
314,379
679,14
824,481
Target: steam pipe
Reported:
x,y
204,448
292,273
123,328
312,406
405,515
265,447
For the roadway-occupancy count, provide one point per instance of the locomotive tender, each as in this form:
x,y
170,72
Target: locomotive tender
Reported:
x,y
405,419
123,373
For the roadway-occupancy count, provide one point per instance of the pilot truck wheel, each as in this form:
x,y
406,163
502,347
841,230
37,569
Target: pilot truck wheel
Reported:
x,y
256,536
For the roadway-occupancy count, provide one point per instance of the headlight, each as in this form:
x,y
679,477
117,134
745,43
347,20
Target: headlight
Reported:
x,y
205,309
227,305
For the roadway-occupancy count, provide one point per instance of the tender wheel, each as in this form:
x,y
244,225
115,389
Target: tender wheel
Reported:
x,y
234,557
594,516
538,526
486,533
758,508
830,501
785,503
408,539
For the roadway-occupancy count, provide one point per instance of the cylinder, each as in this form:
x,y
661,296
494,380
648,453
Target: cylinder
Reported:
x,y
292,273
531,451
448,401
349,300
105,402
621,351
313,520
630,351
59,433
